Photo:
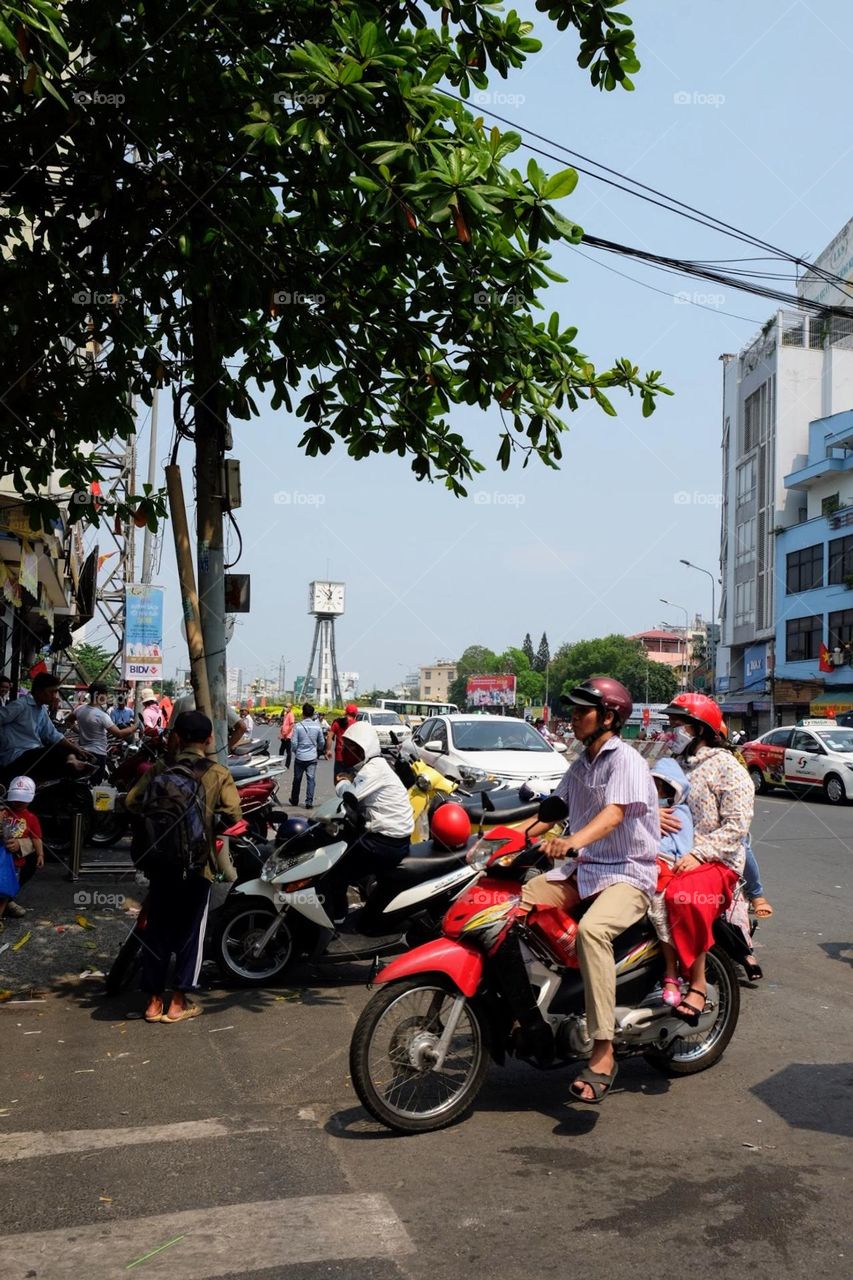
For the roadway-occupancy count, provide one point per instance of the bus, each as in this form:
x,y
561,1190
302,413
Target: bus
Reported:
x,y
415,712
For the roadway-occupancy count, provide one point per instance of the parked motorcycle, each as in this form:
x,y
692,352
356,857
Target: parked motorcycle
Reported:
x,y
421,1049
268,922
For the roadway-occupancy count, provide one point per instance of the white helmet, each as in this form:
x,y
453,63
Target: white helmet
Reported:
x,y
21,790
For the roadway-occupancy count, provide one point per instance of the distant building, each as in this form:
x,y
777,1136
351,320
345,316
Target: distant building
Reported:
x,y
435,681
669,648
234,684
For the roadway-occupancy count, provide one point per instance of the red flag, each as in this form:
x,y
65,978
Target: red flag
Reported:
x,y
38,668
824,660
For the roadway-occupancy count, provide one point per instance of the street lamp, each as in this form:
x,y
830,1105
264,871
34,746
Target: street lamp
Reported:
x,y
712,647
687,681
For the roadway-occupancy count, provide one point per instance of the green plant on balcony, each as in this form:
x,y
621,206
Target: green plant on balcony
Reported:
x,y
848,581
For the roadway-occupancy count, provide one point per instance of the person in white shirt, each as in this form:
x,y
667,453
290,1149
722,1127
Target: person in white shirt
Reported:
x,y
247,721
385,813
93,724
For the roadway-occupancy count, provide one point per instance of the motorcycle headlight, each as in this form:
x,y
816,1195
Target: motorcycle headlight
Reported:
x,y
276,864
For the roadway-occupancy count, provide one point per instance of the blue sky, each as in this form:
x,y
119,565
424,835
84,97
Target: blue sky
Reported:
x,y
762,142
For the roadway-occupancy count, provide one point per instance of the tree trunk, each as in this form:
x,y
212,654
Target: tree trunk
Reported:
x,y
210,430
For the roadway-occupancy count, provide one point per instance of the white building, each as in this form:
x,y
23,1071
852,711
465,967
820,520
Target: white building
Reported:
x,y
435,681
798,368
234,684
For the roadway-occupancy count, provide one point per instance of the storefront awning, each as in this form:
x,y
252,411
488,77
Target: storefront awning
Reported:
x,y
737,701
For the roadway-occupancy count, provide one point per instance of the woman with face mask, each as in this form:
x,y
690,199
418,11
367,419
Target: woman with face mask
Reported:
x,y
721,801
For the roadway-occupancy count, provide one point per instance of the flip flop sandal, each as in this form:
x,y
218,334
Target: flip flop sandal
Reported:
x,y
600,1084
691,1016
762,908
156,1017
191,1011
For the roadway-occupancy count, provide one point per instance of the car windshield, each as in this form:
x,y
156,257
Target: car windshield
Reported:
x,y
837,739
496,735
385,717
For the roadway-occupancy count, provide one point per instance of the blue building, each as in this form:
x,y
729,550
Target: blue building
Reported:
x,y
814,571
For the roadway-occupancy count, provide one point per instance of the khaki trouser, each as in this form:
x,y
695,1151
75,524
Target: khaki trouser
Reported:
x,y
613,910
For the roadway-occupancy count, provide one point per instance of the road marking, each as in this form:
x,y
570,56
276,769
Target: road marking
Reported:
x,y
211,1242
26,1146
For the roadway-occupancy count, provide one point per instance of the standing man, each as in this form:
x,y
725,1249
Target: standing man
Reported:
x,y
610,856
177,904
121,714
93,725
285,746
335,739
309,745
5,690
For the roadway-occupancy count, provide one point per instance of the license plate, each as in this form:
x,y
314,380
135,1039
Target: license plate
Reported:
x,y
104,799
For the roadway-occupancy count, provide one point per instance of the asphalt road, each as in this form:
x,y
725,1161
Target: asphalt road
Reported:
x,y
235,1140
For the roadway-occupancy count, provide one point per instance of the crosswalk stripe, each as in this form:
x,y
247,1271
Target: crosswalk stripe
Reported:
x,y
26,1146
200,1244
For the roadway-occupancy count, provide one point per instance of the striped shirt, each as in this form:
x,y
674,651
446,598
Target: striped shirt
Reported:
x,y
617,775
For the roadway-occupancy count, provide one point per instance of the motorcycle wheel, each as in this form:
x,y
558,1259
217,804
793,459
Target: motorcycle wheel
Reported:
x,y
392,1079
108,829
57,832
241,925
689,1054
125,966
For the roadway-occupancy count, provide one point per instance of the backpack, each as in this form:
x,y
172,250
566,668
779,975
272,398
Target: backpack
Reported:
x,y
173,820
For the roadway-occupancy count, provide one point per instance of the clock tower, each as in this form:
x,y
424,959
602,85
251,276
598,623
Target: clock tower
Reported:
x,y
325,604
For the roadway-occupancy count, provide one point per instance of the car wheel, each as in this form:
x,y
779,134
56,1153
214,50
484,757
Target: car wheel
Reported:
x,y
833,789
758,780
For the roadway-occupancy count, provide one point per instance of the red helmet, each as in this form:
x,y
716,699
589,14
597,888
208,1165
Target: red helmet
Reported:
x,y
698,708
351,709
605,693
450,826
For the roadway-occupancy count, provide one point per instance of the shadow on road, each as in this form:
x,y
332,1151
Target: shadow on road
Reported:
x,y
842,951
812,1095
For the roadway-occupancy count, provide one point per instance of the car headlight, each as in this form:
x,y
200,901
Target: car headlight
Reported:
x,y
849,766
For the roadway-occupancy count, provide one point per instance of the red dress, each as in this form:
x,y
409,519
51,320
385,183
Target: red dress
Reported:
x,y
693,901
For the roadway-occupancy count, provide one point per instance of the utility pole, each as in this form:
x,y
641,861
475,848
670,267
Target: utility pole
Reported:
x,y
210,442
189,595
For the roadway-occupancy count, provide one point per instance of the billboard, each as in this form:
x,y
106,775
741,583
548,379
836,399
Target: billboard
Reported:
x,y
349,685
143,633
490,691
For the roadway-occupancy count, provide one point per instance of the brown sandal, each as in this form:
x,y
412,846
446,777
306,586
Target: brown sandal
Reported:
x,y
762,908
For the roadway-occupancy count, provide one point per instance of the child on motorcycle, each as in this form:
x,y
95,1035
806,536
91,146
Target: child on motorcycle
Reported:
x,y
672,787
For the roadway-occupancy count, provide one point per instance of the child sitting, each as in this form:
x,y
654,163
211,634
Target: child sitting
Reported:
x,y
21,832
672,787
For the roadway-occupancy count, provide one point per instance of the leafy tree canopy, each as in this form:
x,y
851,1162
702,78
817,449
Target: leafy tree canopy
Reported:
x,y
279,197
613,655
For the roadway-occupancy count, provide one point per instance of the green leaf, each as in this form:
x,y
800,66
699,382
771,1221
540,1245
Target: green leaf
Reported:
x,y
560,184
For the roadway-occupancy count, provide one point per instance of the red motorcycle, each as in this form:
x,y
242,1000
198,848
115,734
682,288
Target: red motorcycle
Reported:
x,y
421,1049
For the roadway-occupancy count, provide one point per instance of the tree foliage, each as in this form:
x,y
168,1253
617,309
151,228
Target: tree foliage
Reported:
x,y
527,649
543,654
295,196
613,655
95,663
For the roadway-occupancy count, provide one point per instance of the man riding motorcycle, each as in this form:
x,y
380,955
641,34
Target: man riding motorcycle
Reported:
x,y
385,818
613,820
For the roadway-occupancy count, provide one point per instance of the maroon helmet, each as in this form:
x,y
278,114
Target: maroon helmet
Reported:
x,y
604,693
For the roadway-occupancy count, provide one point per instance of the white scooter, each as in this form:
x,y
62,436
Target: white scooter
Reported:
x,y
268,922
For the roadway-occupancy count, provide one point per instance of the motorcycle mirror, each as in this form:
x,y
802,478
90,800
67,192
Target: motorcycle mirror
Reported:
x,y
553,809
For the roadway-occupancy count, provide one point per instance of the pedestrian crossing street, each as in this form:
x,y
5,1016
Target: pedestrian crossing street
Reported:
x,y
199,1243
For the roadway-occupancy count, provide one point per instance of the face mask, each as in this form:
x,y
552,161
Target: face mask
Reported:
x,y
682,739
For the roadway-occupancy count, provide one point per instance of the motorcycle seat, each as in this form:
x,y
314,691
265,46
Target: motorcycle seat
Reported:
x,y
417,870
240,772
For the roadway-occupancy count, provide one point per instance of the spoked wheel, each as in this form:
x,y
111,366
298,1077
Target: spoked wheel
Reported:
x,y
392,1056
242,928
688,1054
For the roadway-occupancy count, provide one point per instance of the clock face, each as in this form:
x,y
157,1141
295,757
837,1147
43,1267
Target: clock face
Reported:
x,y
326,597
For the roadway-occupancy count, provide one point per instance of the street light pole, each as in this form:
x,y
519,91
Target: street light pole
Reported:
x,y
712,674
687,680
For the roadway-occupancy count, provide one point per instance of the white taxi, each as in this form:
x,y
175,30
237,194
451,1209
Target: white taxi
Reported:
x,y
820,755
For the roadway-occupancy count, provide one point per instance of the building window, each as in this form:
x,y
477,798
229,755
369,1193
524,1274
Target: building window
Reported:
x,y
427,675
828,506
804,569
756,417
840,560
744,603
803,638
427,691
840,628
745,541
746,482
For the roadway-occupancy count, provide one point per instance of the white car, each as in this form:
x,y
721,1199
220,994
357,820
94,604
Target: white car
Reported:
x,y
501,746
385,723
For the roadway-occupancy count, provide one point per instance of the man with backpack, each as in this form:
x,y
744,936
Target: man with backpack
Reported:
x,y
176,803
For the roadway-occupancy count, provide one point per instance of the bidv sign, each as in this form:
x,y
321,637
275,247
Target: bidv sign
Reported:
x,y
755,666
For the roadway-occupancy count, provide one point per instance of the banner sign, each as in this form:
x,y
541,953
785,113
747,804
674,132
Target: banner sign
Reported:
x,y
143,633
490,691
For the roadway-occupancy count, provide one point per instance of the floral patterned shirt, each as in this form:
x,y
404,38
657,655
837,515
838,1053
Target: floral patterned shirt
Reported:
x,y
721,800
